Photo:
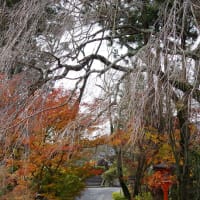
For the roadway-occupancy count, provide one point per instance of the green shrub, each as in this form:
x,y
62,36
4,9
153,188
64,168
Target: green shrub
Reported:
x,y
64,186
68,186
109,176
144,196
2,191
118,196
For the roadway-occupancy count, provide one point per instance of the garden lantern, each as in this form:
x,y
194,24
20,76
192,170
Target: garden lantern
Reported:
x,y
165,185
164,180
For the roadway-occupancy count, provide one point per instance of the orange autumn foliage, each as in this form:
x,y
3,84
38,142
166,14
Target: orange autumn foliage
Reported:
x,y
158,178
120,137
34,137
54,110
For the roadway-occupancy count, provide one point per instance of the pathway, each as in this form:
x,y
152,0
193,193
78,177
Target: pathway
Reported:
x,y
100,193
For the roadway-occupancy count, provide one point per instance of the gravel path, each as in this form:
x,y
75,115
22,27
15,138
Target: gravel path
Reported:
x,y
103,193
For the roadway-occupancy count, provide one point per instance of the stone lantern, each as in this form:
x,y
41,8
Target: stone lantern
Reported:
x,y
165,181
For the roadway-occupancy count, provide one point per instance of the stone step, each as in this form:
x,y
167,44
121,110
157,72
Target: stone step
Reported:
x,y
94,181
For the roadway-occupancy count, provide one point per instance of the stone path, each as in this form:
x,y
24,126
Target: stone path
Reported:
x,y
103,193
94,181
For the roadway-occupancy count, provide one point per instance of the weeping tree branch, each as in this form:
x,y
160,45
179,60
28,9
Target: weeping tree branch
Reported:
x,y
180,85
183,86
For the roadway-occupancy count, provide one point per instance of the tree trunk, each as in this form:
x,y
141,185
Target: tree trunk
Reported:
x,y
183,176
120,175
139,174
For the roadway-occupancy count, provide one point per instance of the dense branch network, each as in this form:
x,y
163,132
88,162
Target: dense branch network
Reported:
x,y
143,55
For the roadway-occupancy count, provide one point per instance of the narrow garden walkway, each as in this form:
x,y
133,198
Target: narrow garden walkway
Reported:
x,y
98,193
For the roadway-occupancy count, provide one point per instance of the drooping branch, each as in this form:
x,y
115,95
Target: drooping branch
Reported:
x,y
108,63
183,86
180,85
187,88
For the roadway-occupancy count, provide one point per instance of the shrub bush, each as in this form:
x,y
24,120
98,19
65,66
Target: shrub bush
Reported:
x,y
61,185
144,196
118,196
109,176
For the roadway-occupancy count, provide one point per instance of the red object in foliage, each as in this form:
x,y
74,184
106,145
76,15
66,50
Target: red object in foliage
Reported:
x,y
96,172
165,185
162,178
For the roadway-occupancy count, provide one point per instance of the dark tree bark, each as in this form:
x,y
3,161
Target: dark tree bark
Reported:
x,y
139,174
121,176
184,176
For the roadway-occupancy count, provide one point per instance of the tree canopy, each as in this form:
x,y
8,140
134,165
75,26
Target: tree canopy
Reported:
x,y
143,55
